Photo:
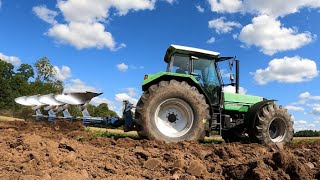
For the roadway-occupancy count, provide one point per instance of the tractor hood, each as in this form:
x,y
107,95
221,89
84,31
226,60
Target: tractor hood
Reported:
x,y
239,102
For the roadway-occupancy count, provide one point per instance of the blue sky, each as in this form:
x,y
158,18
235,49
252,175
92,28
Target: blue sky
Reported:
x,y
108,45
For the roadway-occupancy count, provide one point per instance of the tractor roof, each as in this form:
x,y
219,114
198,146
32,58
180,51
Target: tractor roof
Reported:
x,y
188,50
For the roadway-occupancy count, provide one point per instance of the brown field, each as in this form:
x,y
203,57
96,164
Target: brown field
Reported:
x,y
64,150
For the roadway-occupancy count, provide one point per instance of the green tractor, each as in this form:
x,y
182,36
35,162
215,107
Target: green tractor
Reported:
x,y
187,102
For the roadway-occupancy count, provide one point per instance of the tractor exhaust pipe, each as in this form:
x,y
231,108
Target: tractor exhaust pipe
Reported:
x,y
237,76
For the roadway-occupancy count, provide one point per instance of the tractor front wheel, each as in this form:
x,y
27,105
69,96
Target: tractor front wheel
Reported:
x,y
172,111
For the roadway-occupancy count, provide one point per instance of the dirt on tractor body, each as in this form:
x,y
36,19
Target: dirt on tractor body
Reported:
x,y
66,151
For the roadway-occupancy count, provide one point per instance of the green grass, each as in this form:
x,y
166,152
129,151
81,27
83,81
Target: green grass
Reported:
x,y
80,138
212,141
112,135
101,132
305,139
118,135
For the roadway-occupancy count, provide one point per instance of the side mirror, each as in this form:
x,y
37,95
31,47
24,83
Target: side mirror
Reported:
x,y
232,78
231,64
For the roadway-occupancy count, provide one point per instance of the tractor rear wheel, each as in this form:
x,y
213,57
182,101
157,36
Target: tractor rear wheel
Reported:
x,y
273,125
172,111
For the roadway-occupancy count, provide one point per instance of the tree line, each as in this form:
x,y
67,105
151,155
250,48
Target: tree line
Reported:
x,y
307,133
38,78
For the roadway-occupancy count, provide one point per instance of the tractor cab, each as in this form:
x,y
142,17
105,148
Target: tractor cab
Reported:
x,y
202,64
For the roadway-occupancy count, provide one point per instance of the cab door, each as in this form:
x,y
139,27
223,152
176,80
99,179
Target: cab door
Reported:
x,y
207,76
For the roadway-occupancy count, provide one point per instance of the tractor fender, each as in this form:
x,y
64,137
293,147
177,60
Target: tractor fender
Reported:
x,y
251,115
189,80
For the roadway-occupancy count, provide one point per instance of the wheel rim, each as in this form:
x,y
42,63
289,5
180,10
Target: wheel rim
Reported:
x,y
277,130
174,117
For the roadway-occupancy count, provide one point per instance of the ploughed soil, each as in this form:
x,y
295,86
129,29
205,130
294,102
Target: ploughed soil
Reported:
x,y
64,150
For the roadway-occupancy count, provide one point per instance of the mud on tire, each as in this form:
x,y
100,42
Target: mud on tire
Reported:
x,y
172,111
273,125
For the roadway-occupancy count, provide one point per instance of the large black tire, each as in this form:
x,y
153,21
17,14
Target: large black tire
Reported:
x,y
174,99
273,125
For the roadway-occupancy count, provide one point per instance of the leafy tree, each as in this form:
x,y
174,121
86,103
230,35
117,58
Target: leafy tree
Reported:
x,y
46,81
74,111
6,95
25,71
6,70
103,111
307,133
45,70
96,111
16,84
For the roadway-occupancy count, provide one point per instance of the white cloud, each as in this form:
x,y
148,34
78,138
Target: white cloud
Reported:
x,y
82,35
304,95
222,26
124,6
76,85
317,121
122,67
130,95
122,45
136,67
200,9
273,8
294,108
287,70
99,100
315,109
232,89
235,36
271,37
45,14
85,11
10,59
279,8
226,6
85,19
303,125
120,97
63,73
266,31
308,96
90,11
211,40
300,122
170,1
132,91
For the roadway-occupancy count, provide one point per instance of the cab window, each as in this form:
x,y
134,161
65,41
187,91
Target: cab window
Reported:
x,y
180,63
